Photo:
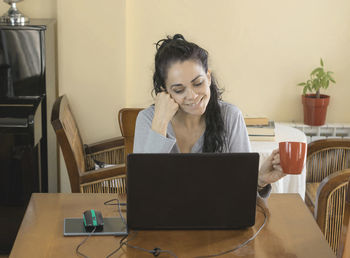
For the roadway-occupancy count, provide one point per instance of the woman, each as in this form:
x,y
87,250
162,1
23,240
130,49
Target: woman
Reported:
x,y
189,116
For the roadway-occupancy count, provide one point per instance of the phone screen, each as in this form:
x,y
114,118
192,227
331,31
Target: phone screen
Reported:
x,y
112,226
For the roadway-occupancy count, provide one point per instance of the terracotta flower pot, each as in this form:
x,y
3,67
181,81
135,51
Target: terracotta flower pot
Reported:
x,y
315,109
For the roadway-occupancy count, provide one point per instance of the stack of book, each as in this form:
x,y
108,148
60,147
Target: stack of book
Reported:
x,y
260,128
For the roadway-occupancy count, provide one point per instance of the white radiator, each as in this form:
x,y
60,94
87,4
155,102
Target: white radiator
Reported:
x,y
332,130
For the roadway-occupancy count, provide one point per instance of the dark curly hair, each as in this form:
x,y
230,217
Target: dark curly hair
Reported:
x,y
171,50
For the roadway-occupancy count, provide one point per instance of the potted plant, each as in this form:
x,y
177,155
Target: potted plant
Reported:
x,y
315,104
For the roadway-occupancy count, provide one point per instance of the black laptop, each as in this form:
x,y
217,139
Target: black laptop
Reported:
x,y
191,191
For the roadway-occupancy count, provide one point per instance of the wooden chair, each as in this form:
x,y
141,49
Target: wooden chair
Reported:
x,y
127,120
344,245
79,158
326,182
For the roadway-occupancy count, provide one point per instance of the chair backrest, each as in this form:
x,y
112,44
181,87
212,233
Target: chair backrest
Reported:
x,y
330,203
127,120
344,245
325,157
69,139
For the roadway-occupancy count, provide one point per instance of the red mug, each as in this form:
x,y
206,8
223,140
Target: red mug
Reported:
x,y
292,156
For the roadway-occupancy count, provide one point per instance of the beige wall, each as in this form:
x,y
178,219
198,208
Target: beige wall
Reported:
x,y
91,47
259,51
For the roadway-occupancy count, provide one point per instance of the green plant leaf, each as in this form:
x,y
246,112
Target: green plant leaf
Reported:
x,y
313,85
308,83
324,84
319,78
319,69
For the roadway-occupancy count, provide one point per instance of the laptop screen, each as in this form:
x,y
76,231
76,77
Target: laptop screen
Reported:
x,y
191,191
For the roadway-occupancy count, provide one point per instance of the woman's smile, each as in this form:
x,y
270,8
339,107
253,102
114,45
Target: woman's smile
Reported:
x,y
195,104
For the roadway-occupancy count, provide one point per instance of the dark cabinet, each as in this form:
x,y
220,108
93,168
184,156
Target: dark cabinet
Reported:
x,y
28,149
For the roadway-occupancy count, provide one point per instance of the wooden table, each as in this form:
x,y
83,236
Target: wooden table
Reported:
x,y
290,232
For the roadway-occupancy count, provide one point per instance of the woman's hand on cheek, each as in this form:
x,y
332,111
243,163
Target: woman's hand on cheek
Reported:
x,y
164,110
270,170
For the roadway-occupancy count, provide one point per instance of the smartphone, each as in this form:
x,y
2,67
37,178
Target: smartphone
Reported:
x,y
112,226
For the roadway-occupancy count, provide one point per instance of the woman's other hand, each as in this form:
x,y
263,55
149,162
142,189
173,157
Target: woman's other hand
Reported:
x,y
164,110
271,170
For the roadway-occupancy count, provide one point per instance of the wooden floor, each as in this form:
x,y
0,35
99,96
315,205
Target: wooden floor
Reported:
x,y
3,256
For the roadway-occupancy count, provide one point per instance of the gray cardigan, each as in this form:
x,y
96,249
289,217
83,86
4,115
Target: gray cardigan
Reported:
x,y
236,140
148,141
